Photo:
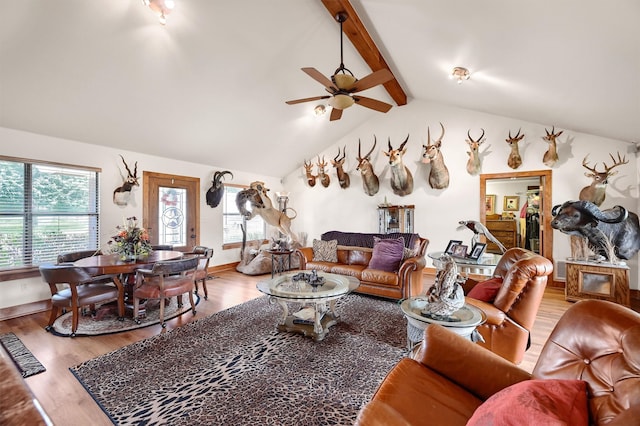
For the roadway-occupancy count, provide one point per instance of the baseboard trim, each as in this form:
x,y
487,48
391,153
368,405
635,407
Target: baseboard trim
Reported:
x,y
23,310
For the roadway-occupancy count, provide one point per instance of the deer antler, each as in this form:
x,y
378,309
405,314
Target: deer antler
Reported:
x,y
586,165
617,163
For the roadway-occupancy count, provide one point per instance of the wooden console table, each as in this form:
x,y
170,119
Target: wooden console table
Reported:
x,y
586,280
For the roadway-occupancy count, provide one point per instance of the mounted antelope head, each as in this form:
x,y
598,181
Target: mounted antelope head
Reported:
x,y
401,178
122,193
338,163
473,164
439,174
596,192
322,175
551,156
514,161
370,181
311,178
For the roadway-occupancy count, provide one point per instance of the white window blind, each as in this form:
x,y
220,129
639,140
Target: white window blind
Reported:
x,y
45,210
232,231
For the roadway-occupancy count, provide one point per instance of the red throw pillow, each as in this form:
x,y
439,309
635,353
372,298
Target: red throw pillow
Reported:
x,y
486,290
536,402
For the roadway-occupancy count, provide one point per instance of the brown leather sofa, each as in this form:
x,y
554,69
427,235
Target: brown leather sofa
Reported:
x,y
511,315
595,341
353,260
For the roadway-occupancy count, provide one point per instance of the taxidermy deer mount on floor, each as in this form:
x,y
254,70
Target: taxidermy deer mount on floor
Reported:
x,y
215,193
401,178
439,174
122,193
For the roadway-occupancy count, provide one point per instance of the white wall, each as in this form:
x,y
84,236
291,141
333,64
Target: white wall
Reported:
x,y
437,212
37,147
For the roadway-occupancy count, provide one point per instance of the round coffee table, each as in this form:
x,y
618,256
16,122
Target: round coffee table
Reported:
x,y
318,303
468,318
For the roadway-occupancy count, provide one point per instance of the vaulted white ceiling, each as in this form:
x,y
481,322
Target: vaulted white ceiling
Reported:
x,y
210,86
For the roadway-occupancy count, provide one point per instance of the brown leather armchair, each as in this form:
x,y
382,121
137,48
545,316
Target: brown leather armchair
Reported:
x,y
511,315
595,341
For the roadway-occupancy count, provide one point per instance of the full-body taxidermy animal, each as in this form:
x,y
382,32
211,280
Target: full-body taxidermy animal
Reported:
x,y
446,296
479,229
216,192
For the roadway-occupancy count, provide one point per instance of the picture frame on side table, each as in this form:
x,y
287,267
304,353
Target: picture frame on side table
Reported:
x,y
511,203
451,245
477,251
459,250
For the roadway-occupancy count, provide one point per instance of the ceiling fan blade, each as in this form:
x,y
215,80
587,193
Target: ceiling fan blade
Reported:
x,y
373,79
299,101
320,78
372,103
335,114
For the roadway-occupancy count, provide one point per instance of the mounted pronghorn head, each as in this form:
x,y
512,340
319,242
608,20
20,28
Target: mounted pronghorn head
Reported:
x,y
439,174
514,161
401,178
338,163
370,181
551,156
311,178
473,164
322,175
122,193
596,192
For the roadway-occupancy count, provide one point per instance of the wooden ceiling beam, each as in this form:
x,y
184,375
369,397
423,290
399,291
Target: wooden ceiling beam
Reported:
x,y
364,44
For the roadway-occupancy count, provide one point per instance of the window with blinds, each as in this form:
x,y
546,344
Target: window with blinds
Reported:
x,y
46,209
232,226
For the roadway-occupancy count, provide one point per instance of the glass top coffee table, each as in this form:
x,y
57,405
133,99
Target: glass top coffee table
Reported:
x,y
317,292
485,265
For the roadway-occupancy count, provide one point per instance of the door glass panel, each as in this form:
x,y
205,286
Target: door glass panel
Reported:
x,y
172,204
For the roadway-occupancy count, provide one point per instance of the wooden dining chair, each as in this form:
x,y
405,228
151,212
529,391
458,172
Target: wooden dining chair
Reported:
x,y
83,290
202,272
162,247
166,279
72,256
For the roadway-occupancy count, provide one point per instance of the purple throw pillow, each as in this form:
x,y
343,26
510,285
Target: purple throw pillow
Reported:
x,y
387,254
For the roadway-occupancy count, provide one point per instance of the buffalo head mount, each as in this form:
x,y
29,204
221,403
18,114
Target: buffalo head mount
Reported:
x,y
215,193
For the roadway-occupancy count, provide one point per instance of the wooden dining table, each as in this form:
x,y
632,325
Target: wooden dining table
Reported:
x,y
112,264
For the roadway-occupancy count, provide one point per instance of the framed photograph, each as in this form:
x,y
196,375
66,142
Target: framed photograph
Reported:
x,y
490,202
459,250
477,251
451,245
511,203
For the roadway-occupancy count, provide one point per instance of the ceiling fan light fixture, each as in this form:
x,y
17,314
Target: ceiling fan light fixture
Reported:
x,y
460,74
344,81
341,101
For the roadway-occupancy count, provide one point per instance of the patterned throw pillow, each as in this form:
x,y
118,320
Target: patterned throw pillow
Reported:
x,y
325,251
408,253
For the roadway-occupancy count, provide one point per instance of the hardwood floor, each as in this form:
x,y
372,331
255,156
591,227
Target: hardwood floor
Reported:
x,y
66,401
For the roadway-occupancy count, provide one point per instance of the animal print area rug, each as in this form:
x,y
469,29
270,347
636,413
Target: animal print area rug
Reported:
x,y
234,368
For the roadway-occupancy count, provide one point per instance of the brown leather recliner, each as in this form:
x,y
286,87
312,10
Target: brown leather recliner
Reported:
x,y
511,315
595,341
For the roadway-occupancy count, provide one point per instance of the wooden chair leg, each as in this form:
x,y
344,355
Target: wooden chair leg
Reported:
x,y
204,287
136,310
193,305
54,314
162,323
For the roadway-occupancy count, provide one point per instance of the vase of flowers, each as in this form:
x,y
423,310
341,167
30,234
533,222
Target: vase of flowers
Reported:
x,y
131,242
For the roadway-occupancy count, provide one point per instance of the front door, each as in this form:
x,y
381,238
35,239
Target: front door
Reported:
x,y
171,210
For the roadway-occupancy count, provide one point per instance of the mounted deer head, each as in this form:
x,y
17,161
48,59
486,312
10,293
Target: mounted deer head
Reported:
x,y
401,178
551,156
370,181
325,180
439,174
474,164
122,193
514,161
596,192
338,163
311,178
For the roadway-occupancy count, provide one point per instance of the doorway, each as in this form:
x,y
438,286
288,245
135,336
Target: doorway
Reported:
x,y
541,178
171,210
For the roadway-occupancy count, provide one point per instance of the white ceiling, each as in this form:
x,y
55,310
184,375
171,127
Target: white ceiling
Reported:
x,y
210,86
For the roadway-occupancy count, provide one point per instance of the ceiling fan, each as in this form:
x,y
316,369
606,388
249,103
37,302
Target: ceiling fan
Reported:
x,y
343,85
